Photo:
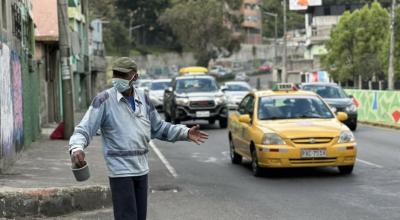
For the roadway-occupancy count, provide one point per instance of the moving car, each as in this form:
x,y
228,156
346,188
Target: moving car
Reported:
x,y
143,85
156,92
193,97
234,93
287,128
242,76
334,95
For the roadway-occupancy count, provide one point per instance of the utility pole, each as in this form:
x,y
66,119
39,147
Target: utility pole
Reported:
x,y
392,41
276,36
64,44
284,70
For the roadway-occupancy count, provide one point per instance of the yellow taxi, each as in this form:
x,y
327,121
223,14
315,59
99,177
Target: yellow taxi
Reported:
x,y
193,70
288,128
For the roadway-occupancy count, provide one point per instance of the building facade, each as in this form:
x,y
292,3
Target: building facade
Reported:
x,y
80,63
19,83
47,59
251,27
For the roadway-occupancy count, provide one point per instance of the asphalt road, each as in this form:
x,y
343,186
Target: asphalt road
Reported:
x,y
208,186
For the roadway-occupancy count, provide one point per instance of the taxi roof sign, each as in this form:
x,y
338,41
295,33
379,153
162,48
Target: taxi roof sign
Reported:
x,y
284,87
193,70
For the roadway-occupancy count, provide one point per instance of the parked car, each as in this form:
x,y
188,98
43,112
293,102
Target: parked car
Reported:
x,y
234,93
242,76
193,97
156,92
339,101
264,68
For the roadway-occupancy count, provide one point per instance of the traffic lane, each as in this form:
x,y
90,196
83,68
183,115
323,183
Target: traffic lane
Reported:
x,y
207,171
380,146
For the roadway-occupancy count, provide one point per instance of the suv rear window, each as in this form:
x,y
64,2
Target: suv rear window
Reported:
x,y
326,91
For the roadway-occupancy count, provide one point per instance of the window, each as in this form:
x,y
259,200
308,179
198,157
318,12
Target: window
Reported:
x,y
327,11
4,13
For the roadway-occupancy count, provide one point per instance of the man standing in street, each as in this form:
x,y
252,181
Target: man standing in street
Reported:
x,y
128,121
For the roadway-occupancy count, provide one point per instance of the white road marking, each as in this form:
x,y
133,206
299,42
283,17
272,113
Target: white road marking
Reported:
x,y
369,163
164,160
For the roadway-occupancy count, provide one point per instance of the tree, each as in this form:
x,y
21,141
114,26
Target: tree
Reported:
x,y
203,27
295,20
357,43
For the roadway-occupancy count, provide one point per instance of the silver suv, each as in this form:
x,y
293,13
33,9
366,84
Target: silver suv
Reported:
x,y
193,97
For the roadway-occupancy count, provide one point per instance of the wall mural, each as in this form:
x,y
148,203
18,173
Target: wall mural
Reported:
x,y
378,106
11,115
6,104
17,100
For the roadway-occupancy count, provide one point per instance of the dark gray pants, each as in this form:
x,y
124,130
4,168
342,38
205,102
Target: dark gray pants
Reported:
x,y
129,197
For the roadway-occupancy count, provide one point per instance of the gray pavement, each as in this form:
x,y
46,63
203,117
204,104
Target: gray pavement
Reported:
x,y
210,187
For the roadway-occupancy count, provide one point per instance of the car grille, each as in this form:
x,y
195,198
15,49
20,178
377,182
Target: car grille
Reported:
x,y
312,140
313,160
202,104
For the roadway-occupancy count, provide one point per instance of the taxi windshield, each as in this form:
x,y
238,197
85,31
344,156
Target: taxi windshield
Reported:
x,y
289,107
326,91
196,85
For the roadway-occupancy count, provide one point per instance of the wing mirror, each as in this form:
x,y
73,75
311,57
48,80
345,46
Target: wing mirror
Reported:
x,y
245,119
351,96
224,88
341,116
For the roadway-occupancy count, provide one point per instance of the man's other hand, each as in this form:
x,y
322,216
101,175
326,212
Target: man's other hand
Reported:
x,y
78,158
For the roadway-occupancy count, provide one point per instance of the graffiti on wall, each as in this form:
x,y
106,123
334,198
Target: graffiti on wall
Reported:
x,y
17,100
11,115
6,104
378,106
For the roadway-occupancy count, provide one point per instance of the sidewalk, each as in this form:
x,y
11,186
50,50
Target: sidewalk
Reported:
x,y
41,182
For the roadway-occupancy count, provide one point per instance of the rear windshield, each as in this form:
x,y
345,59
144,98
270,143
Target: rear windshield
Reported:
x,y
159,85
326,91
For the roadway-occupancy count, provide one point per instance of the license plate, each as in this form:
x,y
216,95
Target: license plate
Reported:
x,y
313,153
203,114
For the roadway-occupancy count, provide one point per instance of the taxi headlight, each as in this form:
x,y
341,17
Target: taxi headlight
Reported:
x,y
351,108
346,137
272,139
182,100
219,100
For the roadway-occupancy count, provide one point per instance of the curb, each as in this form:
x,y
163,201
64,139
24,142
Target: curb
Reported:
x,y
51,202
376,124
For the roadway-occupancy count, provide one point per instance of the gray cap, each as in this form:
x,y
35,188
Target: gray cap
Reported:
x,y
124,65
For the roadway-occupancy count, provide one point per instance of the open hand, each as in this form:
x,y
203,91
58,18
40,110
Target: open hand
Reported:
x,y
196,135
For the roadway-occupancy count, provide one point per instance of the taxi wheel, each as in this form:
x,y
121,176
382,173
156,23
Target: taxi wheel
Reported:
x,y
346,169
223,122
257,170
167,117
235,158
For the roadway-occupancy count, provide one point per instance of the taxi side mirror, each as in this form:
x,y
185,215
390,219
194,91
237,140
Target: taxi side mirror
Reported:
x,y
341,116
245,118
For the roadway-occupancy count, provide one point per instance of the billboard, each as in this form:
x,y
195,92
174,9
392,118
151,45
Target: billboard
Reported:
x,y
303,4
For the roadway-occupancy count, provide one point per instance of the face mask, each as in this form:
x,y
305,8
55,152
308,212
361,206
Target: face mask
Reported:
x,y
121,84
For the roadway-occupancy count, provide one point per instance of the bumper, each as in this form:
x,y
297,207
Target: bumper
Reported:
x,y
290,157
187,113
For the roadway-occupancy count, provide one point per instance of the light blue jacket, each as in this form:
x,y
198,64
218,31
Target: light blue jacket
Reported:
x,y
125,134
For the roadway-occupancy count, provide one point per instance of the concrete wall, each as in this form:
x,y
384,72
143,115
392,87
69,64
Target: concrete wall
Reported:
x,y
380,107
